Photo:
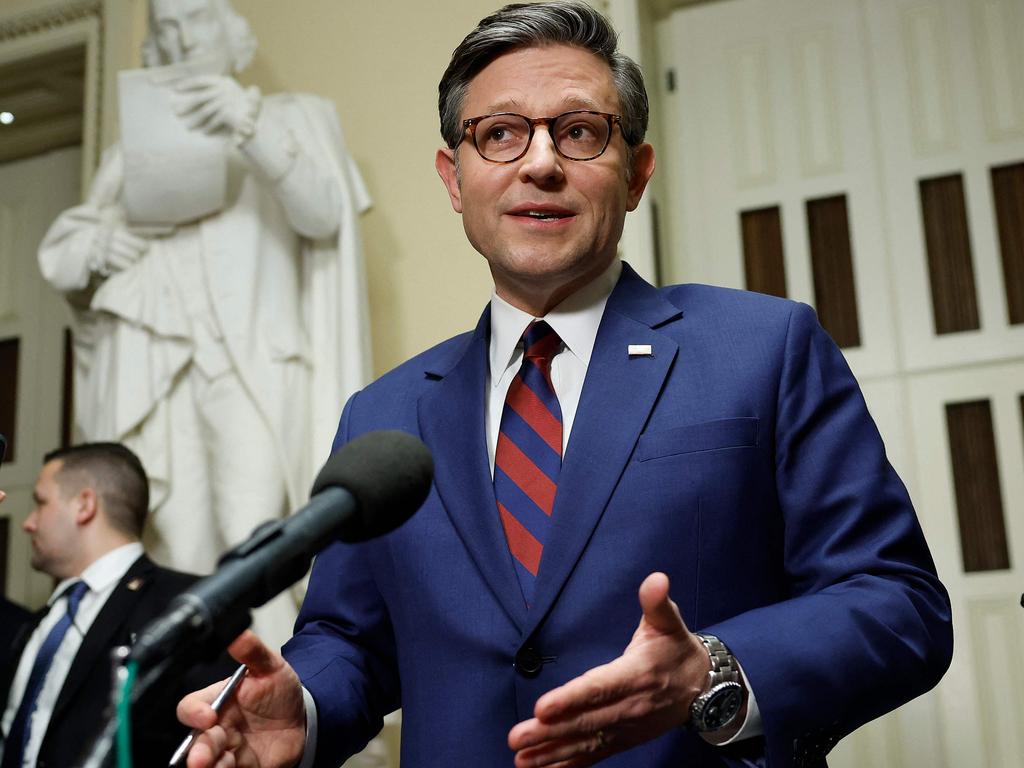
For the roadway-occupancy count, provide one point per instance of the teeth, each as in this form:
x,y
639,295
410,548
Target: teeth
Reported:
x,y
542,215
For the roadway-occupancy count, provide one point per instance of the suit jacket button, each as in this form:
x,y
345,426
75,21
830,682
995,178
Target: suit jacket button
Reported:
x,y
528,662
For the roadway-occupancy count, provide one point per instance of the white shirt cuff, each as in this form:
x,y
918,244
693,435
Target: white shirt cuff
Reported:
x,y
309,751
752,725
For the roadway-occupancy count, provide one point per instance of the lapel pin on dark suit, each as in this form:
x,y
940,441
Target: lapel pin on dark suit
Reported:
x,y
135,584
639,350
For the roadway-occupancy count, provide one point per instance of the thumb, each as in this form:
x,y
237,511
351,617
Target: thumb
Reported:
x,y
248,649
659,610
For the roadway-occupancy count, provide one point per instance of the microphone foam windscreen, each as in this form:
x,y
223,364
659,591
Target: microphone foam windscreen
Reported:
x,y
388,472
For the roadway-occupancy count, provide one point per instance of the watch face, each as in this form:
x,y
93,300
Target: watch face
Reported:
x,y
720,706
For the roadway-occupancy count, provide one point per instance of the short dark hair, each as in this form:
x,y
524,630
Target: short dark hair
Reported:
x,y
522,25
116,474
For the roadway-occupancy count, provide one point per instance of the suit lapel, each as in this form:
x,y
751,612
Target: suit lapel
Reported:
x,y
452,419
98,640
618,394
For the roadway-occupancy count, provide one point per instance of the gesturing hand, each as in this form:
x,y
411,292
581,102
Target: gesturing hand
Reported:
x,y
212,103
261,726
635,698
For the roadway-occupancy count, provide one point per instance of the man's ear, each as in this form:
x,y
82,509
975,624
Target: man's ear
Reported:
x,y
444,161
643,168
88,506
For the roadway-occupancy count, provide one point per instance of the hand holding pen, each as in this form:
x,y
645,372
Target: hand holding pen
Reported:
x,y
261,719
178,758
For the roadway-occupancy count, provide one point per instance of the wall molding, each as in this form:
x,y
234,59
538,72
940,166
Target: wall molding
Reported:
x,y
59,25
42,19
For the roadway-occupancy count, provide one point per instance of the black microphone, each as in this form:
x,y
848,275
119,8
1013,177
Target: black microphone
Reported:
x,y
367,488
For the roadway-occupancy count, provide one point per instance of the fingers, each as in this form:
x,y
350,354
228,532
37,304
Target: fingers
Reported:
x,y
195,711
208,103
595,688
198,83
562,754
206,116
574,748
211,750
530,733
124,249
2,496
185,100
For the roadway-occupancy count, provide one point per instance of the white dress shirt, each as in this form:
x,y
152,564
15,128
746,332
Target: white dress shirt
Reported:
x,y
575,320
101,576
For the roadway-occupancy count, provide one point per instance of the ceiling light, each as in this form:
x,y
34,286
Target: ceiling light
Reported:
x,y
6,118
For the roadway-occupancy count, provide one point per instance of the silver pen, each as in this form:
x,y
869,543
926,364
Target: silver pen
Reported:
x,y
182,751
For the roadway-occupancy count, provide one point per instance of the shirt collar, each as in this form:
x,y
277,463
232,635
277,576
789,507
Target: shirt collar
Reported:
x,y
575,320
105,571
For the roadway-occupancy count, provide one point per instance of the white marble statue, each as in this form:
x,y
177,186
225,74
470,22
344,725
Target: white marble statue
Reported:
x,y
217,279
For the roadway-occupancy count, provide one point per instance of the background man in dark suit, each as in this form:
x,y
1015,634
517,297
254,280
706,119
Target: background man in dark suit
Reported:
x,y
90,505
595,435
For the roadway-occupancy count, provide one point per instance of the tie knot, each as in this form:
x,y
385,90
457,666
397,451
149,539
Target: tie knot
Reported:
x,y
75,594
540,341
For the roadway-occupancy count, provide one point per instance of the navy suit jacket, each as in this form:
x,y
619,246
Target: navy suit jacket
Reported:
x,y
739,458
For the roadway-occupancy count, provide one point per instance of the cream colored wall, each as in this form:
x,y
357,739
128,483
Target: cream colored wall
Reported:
x,y
18,6
380,63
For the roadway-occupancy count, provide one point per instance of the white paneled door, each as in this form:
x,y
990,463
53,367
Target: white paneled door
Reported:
x,y
885,136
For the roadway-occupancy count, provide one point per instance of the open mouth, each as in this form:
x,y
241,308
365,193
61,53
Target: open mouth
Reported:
x,y
541,213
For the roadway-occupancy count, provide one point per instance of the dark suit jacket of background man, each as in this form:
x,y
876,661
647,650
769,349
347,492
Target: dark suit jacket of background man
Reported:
x,y
739,458
13,619
141,595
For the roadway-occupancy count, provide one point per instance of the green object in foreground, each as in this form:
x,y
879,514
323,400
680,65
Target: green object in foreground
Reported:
x,y
124,718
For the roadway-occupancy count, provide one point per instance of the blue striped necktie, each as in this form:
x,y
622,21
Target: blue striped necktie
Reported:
x,y
528,456
17,739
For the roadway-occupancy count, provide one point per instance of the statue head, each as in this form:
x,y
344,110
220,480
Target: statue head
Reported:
x,y
184,29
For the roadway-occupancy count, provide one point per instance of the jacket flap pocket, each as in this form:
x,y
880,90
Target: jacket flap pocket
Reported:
x,y
739,432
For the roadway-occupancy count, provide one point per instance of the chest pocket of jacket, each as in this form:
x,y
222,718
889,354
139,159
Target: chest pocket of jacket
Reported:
x,y
720,434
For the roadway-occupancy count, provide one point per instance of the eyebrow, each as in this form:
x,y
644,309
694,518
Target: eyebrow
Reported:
x,y
570,104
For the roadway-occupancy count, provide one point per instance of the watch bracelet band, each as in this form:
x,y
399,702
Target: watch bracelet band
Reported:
x,y
723,664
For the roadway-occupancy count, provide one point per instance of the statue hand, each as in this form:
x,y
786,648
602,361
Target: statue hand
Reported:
x,y
214,103
120,251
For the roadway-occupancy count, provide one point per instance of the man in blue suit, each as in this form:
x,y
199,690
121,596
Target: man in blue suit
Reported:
x,y
694,441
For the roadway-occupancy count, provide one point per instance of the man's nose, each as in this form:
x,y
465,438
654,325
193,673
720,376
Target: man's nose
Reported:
x,y
185,37
541,164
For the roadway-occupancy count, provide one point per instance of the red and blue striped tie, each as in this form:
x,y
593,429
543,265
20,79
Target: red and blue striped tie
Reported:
x,y
528,456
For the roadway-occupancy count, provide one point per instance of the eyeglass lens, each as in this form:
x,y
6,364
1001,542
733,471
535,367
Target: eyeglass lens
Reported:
x,y
577,135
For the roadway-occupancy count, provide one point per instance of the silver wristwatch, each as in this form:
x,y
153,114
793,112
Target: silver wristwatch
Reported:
x,y
722,700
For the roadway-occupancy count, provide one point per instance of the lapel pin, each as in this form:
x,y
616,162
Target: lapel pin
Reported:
x,y
639,350
135,584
